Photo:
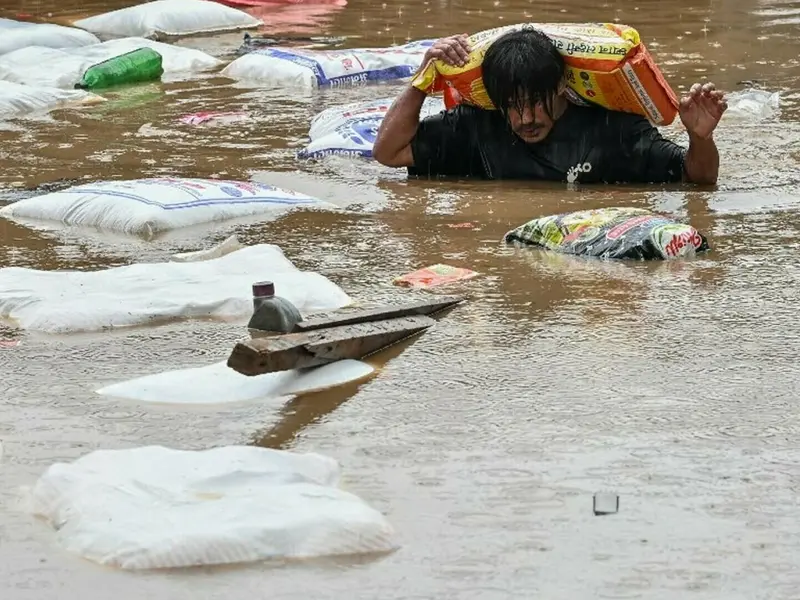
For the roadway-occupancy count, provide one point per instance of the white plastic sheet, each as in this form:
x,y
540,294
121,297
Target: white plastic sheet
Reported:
x,y
149,293
350,130
44,35
18,100
219,384
64,68
149,206
155,507
169,18
317,68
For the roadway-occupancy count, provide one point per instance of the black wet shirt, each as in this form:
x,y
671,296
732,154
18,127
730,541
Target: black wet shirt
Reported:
x,y
585,145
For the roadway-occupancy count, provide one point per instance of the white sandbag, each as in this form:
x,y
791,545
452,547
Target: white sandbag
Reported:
x,y
169,18
64,68
154,507
350,130
18,100
6,24
218,384
148,206
46,36
149,293
317,68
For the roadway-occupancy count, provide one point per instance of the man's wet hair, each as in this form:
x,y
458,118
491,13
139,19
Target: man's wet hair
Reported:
x,y
523,66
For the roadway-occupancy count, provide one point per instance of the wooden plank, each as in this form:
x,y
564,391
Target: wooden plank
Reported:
x,y
322,346
380,313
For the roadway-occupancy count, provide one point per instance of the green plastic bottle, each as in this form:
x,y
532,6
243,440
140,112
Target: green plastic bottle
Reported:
x,y
144,64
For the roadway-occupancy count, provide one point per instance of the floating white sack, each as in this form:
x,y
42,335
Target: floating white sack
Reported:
x,y
169,18
217,384
64,68
147,293
316,68
45,35
148,206
155,507
752,103
350,130
18,100
12,24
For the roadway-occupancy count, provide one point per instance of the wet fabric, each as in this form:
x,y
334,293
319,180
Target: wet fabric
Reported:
x,y
632,233
586,145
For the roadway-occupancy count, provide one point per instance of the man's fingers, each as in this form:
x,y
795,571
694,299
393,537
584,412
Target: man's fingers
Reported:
x,y
695,89
463,49
453,57
709,87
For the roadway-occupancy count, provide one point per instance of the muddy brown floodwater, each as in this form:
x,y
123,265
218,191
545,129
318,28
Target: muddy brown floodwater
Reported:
x,y
674,385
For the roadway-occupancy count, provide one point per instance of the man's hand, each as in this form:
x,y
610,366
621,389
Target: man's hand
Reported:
x,y
701,109
453,50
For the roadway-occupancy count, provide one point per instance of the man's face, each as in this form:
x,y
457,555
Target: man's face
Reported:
x,y
532,123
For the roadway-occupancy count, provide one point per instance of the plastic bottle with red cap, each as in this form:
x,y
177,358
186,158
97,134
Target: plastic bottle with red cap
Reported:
x,y
272,313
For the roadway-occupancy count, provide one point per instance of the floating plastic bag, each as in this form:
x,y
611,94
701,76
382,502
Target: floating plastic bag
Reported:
x,y
154,507
214,118
350,130
65,68
150,293
18,100
434,275
607,64
752,103
169,18
612,233
318,68
217,383
44,35
149,206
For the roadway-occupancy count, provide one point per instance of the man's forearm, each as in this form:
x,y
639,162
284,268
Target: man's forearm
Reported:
x,y
393,143
702,161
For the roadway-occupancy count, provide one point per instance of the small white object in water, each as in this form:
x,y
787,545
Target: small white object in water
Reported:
x,y
605,503
232,244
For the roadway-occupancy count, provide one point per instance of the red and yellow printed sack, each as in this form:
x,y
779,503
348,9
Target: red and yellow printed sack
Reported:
x,y
607,64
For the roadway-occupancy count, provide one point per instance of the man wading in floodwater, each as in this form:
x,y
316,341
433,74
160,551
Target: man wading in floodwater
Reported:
x,y
537,133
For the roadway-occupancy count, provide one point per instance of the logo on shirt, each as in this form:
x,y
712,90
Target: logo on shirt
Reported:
x,y
575,172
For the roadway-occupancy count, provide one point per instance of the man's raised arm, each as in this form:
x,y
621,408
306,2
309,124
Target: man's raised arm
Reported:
x,y
393,143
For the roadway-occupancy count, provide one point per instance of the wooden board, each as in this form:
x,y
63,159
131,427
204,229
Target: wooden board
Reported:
x,y
322,346
378,314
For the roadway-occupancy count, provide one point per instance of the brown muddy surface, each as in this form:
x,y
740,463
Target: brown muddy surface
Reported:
x,y
674,385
